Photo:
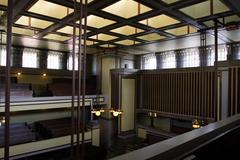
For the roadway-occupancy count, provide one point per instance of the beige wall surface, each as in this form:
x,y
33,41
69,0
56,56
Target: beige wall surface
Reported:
x,y
108,63
128,103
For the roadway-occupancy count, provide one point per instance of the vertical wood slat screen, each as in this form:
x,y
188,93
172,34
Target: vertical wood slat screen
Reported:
x,y
234,91
187,93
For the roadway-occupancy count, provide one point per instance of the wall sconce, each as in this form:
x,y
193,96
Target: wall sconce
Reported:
x,y
116,112
2,121
97,112
19,74
151,114
196,124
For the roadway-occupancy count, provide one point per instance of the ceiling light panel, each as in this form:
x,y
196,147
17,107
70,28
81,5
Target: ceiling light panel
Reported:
x,y
69,30
50,9
204,9
22,31
159,21
103,37
182,30
88,42
127,30
108,46
127,8
219,7
88,1
33,22
152,37
56,37
97,22
170,1
127,42
4,2
228,19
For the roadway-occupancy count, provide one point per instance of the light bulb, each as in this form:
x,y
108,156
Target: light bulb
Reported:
x,y
98,113
115,114
44,74
19,73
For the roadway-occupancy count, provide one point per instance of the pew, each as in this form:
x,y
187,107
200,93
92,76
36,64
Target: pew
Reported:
x,y
17,90
55,127
19,133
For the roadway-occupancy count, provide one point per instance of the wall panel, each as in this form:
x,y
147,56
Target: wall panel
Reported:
x,y
185,92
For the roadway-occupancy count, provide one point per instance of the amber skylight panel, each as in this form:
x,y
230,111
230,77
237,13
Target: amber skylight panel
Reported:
x,y
127,30
56,37
49,9
159,21
204,9
33,22
127,42
69,30
127,8
22,31
182,30
97,22
152,37
103,37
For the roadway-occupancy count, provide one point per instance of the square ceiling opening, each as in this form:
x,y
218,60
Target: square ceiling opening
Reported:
x,y
170,1
50,9
22,31
127,8
4,2
159,21
127,42
97,22
103,37
182,30
108,46
127,30
69,30
152,37
33,22
56,37
203,9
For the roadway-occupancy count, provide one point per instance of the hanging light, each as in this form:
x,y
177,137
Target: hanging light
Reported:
x,y
196,124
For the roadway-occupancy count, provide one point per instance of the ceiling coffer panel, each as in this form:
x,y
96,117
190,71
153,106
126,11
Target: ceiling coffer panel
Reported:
x,y
4,2
159,21
182,30
127,42
127,8
97,22
108,46
203,9
22,31
56,37
152,37
103,37
170,1
88,42
46,8
33,22
127,30
69,30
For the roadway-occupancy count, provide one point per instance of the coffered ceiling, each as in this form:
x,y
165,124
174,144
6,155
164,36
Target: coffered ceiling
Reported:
x,y
119,23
